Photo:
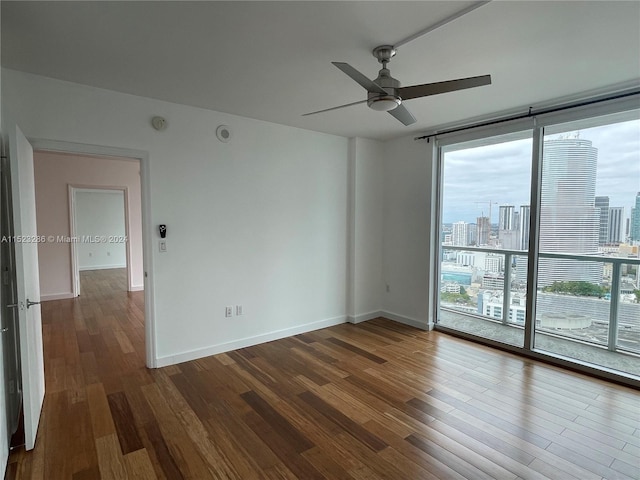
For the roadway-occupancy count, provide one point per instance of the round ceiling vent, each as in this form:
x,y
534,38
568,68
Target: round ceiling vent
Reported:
x,y
223,132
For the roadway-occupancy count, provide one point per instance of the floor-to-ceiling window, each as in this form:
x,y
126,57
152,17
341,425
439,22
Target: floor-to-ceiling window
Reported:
x,y
588,289
484,236
540,235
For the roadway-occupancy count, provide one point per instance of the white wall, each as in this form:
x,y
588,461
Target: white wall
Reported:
x,y
366,226
100,214
260,221
409,231
54,173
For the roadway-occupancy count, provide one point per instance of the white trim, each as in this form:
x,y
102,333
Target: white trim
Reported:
x,y
75,277
136,288
248,341
56,296
363,317
412,322
351,228
102,267
147,227
433,241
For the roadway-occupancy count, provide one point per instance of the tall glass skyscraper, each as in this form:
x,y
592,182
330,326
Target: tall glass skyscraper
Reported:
x,y
602,204
525,219
508,227
634,228
569,220
616,219
505,219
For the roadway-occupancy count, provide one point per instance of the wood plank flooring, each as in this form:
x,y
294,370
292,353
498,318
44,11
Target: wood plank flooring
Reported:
x,y
378,400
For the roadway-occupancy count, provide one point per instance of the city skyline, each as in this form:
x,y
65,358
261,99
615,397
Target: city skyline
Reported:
x,y
501,173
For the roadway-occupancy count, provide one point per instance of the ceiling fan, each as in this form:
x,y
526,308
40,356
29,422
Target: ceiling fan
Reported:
x,y
385,93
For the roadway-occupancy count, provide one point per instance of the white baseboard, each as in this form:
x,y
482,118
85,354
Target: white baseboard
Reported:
x,y
56,296
412,322
247,342
136,288
363,317
101,267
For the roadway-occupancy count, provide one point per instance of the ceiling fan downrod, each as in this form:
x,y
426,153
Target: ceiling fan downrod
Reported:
x,y
378,101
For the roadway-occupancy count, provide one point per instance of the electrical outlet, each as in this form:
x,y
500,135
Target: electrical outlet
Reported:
x,y
238,309
228,312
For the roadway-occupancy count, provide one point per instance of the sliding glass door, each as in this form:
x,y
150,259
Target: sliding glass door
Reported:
x,y
588,292
484,233
540,237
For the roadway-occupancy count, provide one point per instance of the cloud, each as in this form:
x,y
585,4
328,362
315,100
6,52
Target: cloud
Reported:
x,y
501,173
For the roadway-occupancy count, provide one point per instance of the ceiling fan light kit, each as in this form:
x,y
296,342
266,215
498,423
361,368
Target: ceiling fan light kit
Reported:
x,y
384,104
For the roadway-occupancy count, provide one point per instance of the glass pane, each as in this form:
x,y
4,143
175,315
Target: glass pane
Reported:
x,y
585,306
628,337
485,237
573,307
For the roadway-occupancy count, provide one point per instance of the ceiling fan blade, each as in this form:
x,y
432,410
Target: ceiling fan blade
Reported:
x,y
401,113
416,91
334,108
369,85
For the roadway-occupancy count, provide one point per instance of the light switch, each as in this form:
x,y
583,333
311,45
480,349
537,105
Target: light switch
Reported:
x,y
163,246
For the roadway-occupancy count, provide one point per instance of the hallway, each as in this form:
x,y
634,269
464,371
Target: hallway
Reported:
x,y
93,349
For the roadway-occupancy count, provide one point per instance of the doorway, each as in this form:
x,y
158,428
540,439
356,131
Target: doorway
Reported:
x,y
90,207
144,279
22,149
100,233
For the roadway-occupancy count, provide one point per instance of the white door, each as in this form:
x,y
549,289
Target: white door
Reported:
x,y
28,282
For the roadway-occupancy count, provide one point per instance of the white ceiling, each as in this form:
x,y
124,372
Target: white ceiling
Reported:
x,y
271,60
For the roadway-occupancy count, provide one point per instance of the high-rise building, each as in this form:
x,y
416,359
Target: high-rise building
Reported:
x,y
634,227
494,263
472,234
569,221
484,230
602,203
508,227
460,233
616,220
505,221
525,219
509,239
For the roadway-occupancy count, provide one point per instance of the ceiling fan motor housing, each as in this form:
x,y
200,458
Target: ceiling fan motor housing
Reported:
x,y
379,101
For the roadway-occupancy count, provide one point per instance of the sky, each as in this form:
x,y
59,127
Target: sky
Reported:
x,y
501,173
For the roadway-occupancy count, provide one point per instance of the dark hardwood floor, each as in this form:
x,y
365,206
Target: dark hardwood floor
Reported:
x,y
368,401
